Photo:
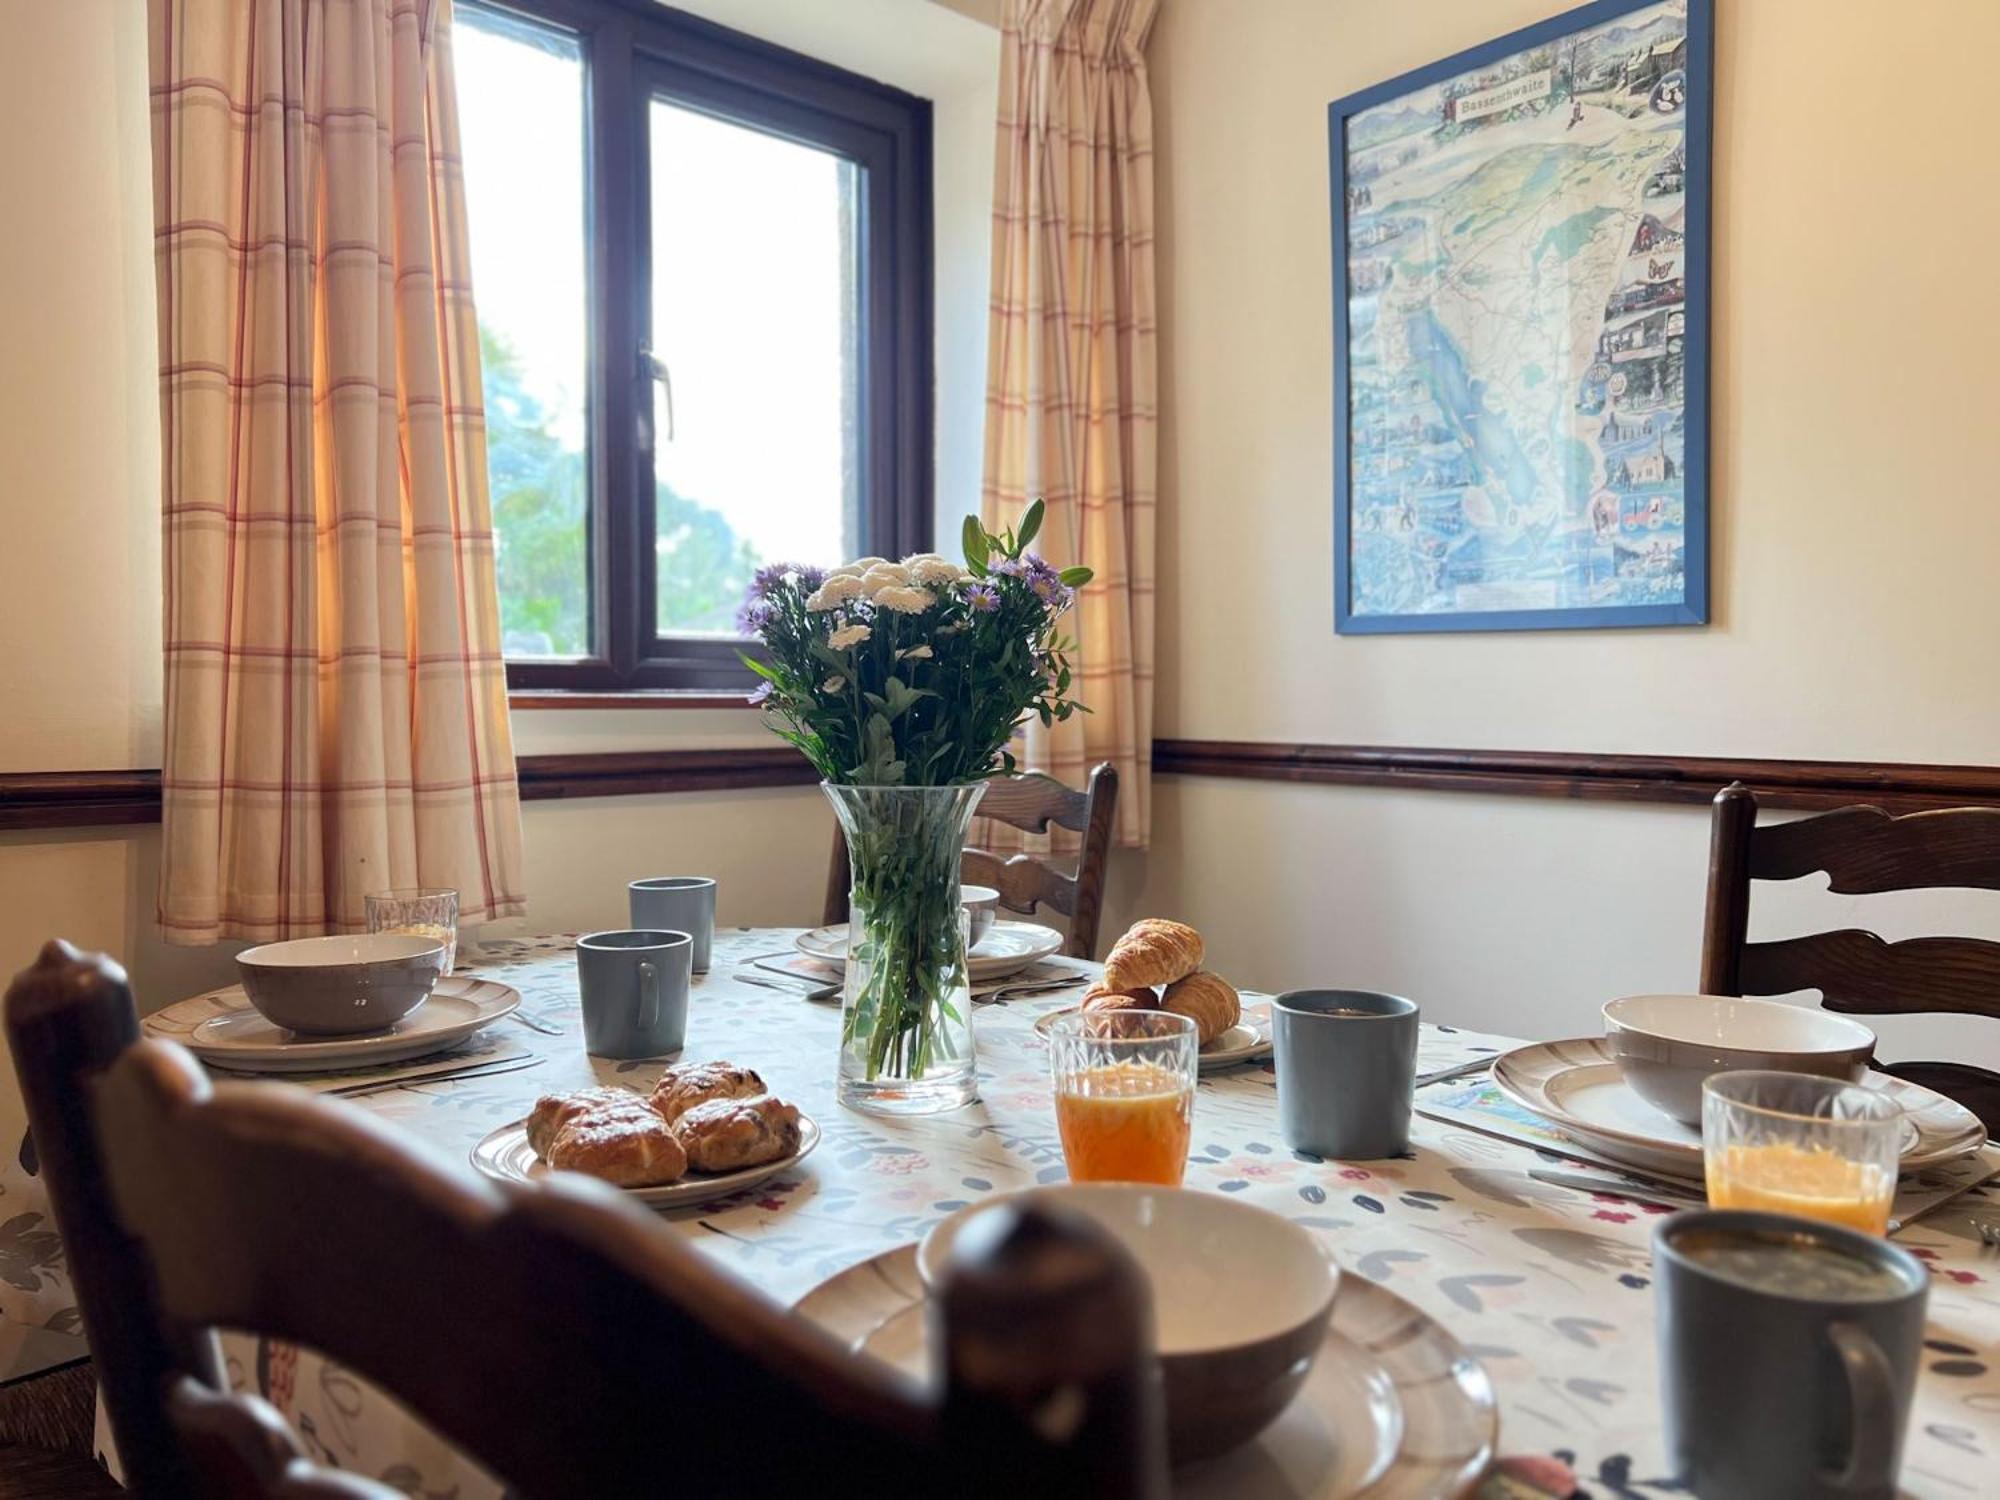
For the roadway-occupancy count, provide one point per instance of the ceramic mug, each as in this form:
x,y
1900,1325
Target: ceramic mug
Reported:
x,y
634,986
1347,1072
1788,1354
677,903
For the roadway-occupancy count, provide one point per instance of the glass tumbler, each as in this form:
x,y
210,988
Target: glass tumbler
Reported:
x,y
420,911
1124,1087
1793,1143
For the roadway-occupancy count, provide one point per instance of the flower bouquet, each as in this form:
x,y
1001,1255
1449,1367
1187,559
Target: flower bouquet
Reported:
x,y
903,683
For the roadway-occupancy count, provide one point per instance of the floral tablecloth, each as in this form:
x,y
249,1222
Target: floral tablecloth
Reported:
x,y
1548,1287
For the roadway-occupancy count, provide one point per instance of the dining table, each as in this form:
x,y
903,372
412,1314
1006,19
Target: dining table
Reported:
x,y
1549,1287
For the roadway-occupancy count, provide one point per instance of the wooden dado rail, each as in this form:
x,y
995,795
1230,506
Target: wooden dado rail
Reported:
x,y
82,799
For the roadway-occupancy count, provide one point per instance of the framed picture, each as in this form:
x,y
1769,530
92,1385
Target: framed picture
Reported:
x,y
1520,292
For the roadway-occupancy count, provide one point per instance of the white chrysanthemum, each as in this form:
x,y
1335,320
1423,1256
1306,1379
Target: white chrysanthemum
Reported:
x,y
835,591
885,576
848,635
916,653
928,567
835,684
904,600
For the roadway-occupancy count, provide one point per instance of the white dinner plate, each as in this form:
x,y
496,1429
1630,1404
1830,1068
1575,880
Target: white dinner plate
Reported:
x,y
1007,948
1247,1041
506,1156
1577,1086
221,1028
1394,1407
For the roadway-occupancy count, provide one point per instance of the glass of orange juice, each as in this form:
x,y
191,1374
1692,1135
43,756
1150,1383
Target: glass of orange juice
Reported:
x,y
1793,1143
1124,1084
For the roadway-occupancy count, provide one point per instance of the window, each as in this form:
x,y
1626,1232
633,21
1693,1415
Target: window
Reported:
x,y
702,267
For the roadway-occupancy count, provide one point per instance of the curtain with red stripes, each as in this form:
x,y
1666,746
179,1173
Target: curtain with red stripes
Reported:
x,y
1072,380
336,704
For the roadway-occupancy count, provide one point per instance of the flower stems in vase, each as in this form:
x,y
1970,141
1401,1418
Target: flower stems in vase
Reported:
x,y
902,683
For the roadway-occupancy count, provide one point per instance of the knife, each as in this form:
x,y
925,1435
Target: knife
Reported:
x,y
482,1070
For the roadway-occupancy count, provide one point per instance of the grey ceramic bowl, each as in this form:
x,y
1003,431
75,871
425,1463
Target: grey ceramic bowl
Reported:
x,y
1241,1298
982,906
1665,1045
336,986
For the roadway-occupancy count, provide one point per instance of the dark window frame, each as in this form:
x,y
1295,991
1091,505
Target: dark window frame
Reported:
x,y
635,50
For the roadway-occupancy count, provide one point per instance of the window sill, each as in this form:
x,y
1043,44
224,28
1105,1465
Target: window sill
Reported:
x,y
539,698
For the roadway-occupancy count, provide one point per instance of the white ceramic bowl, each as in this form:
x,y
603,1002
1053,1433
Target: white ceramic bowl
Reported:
x,y
1241,1299
982,904
1667,1044
335,986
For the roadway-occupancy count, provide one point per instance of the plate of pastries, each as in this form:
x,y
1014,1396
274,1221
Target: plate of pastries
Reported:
x,y
1158,965
705,1129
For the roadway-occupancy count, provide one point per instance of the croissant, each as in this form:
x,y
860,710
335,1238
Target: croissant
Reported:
x,y
1209,1000
1102,998
1153,951
629,1148
553,1111
685,1085
722,1135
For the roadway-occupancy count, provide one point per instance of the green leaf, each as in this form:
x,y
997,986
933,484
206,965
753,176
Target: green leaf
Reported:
x,y
978,548
767,673
1076,578
1031,522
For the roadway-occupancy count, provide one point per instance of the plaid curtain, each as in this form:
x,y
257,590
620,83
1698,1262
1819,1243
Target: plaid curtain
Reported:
x,y
336,704
1072,383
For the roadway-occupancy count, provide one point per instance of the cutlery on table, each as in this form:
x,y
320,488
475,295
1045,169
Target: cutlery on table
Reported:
x,y
1638,1189
1461,1070
1028,987
535,1023
478,1070
804,988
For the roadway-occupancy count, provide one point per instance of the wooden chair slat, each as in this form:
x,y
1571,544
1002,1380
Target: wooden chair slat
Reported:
x,y
1033,803
1858,971
557,1333
1024,883
1865,851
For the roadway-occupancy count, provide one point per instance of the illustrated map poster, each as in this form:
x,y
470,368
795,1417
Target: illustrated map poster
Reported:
x,y
1521,310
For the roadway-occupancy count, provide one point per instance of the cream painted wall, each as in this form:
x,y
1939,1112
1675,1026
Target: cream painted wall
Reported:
x,y
1855,534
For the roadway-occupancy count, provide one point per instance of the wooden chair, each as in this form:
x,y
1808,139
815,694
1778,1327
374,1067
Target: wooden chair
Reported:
x,y
1030,802
557,1333
1863,850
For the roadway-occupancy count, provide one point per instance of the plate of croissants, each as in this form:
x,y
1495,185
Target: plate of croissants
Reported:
x,y
706,1129
1157,965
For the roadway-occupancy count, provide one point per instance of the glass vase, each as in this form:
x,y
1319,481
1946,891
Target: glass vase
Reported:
x,y
906,1004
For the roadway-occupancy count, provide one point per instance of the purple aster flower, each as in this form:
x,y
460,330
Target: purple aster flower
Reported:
x,y
754,616
809,576
1048,588
1009,567
983,597
767,578
764,690
1038,567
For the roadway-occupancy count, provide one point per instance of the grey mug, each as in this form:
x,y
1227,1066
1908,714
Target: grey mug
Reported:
x,y
678,903
1795,1383
1347,1071
634,986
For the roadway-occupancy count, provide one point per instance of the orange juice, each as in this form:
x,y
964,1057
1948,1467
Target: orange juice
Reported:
x,y
1784,1178
1125,1122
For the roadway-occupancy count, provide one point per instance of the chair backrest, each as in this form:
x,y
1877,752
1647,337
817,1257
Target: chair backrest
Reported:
x,y
557,1333
1033,803
1863,850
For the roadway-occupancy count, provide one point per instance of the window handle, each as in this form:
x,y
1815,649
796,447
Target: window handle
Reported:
x,y
653,369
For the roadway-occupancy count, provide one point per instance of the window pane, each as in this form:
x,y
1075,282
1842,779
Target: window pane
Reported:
x,y
756,317
520,101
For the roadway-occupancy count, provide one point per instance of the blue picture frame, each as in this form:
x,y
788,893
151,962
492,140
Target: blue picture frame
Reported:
x,y
1696,114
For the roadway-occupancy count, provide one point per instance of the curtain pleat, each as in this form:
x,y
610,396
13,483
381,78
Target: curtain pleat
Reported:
x,y
336,702
1072,377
